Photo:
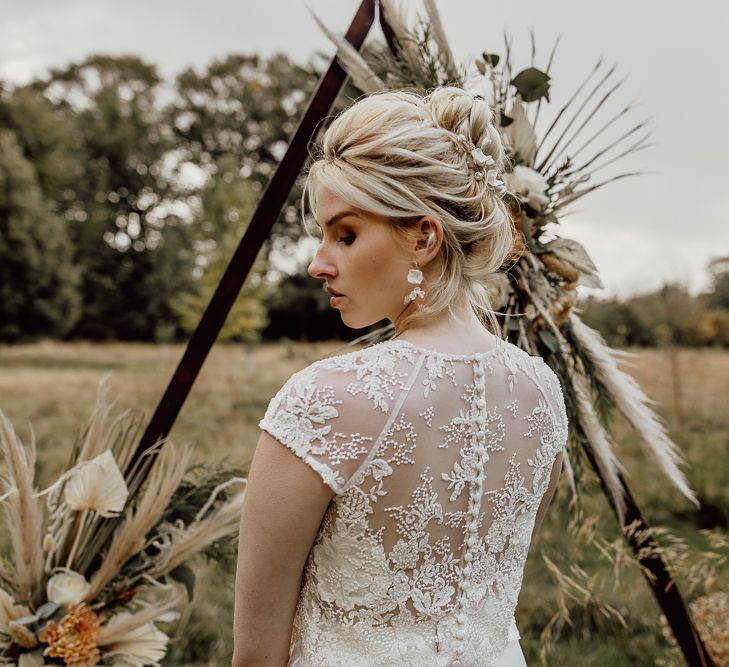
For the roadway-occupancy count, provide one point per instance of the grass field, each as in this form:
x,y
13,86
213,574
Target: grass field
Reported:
x,y
53,385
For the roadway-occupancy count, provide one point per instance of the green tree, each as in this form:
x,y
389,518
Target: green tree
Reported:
x,y
121,209
246,106
718,296
227,204
38,282
50,139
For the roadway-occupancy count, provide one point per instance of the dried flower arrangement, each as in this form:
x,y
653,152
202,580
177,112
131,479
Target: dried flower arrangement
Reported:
x,y
536,293
92,555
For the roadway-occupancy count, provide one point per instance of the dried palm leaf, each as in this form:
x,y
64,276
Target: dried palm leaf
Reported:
x,y
568,104
542,166
166,475
98,485
119,627
584,123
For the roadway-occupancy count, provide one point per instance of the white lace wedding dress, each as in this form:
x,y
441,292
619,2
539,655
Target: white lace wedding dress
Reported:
x,y
439,463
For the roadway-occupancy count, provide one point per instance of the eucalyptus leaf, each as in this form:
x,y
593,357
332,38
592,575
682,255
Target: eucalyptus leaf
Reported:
x,y
532,84
491,58
549,339
512,324
573,253
47,609
186,576
27,620
505,120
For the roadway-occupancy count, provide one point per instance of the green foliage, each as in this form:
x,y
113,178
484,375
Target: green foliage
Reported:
x,y
133,253
50,140
532,84
227,205
38,282
718,297
247,107
667,316
109,155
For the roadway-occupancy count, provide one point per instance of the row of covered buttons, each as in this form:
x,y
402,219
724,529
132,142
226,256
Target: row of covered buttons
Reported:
x,y
474,509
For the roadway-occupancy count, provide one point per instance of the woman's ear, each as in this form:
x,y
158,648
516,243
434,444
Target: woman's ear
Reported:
x,y
430,238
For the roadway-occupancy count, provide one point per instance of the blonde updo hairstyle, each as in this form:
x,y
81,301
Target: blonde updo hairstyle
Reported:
x,y
398,155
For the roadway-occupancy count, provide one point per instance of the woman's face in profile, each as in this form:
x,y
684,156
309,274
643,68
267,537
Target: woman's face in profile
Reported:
x,y
359,258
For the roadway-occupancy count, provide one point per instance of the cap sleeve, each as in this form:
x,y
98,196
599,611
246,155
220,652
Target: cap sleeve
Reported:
x,y
327,427
552,390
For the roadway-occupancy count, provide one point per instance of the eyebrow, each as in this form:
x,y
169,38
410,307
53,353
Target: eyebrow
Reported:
x,y
338,216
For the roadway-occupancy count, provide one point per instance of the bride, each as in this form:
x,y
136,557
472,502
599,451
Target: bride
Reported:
x,y
395,490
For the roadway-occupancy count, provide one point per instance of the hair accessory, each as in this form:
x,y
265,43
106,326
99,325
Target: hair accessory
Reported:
x,y
415,277
480,163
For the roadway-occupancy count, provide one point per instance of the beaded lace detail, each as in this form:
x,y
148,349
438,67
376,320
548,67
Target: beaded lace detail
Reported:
x,y
438,463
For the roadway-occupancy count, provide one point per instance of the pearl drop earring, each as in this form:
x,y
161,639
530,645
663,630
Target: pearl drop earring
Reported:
x,y
415,277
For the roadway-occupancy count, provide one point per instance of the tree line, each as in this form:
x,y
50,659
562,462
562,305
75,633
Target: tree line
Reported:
x,y
123,195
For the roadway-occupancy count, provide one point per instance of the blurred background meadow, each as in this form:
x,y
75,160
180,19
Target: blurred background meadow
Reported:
x,y
126,181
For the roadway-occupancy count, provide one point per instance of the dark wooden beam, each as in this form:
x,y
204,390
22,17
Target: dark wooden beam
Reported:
x,y
662,584
259,229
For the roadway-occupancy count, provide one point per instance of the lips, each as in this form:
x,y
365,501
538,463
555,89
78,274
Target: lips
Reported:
x,y
333,292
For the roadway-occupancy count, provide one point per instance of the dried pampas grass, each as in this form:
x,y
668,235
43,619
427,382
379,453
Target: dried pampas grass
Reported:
x,y
436,25
633,404
396,20
198,535
95,437
352,62
21,509
598,438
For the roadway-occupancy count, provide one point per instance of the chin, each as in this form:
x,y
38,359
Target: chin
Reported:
x,y
358,321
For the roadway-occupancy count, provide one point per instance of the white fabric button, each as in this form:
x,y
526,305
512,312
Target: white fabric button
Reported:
x,y
461,617
460,633
468,569
455,663
481,403
468,556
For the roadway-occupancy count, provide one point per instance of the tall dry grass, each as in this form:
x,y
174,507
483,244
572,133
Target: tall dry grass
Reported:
x,y
53,386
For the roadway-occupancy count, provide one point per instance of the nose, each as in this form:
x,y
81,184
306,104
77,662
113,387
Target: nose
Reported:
x,y
321,267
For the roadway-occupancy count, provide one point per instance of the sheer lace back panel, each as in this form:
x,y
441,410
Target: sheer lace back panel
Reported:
x,y
439,463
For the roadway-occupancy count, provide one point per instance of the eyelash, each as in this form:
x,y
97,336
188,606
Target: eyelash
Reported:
x,y
347,239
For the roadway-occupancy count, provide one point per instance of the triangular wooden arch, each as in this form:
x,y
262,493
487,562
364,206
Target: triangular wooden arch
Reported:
x,y
660,581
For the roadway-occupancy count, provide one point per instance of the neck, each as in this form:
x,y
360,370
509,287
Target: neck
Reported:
x,y
457,329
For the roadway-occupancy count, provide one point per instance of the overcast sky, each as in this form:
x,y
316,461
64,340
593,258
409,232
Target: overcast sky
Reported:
x,y
639,231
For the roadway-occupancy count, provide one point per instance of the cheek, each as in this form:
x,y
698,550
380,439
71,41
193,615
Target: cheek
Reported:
x,y
382,269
